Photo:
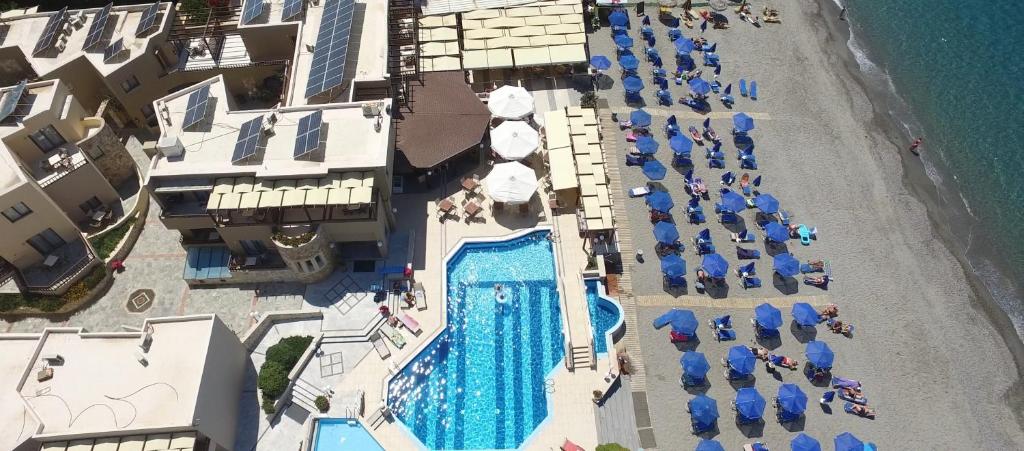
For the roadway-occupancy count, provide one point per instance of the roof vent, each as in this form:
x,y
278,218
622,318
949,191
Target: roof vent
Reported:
x,y
371,109
170,146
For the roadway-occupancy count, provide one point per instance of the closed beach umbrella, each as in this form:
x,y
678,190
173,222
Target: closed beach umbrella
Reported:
x,y
805,315
742,122
776,232
767,316
514,140
694,364
847,442
804,442
680,144
708,445
703,410
741,360
510,102
511,183
767,203
623,41
749,403
733,202
646,145
715,266
673,266
665,232
819,354
600,62
683,45
654,170
661,201
640,118
618,19
700,86
786,265
629,62
632,83
792,399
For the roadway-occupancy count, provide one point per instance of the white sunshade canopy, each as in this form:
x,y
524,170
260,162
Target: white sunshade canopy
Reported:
x,y
512,183
510,102
514,140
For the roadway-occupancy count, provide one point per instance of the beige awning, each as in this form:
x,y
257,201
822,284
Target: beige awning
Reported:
x,y
214,201
157,442
556,129
482,14
271,199
361,195
317,196
368,179
229,201
591,207
295,198
599,175
339,196
308,184
569,53
526,31
474,59
587,185
250,200
80,445
332,181
351,179
484,33
603,198
242,185
55,446
532,57
593,135
284,185
563,169
110,444
224,185
183,440
499,58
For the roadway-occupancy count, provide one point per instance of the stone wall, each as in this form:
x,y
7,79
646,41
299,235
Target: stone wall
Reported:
x,y
294,255
116,164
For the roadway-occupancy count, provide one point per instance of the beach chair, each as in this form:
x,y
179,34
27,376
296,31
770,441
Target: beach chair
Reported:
x,y
743,87
674,33
784,217
664,97
675,282
744,236
748,162
842,382
721,322
724,334
715,163
862,400
728,217
716,87
753,90
711,59
848,407
751,282
671,126
393,334
806,234
635,160
696,217
421,296
728,178
409,323
807,268
639,191
747,254
633,97
714,153
380,346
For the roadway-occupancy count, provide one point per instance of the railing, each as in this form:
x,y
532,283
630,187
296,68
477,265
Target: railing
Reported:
x,y
60,173
71,272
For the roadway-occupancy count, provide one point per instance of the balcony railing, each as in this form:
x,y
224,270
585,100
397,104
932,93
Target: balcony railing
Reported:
x,y
72,260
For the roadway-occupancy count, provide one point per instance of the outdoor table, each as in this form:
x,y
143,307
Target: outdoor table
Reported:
x,y
470,184
472,209
446,206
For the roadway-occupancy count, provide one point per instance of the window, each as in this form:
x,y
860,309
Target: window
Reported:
x,y
150,114
90,205
319,261
18,211
46,241
47,138
130,83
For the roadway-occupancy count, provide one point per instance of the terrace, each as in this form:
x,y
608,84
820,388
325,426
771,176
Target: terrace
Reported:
x,y
59,267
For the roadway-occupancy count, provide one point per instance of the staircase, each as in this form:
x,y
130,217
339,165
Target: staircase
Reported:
x,y
581,357
403,48
304,395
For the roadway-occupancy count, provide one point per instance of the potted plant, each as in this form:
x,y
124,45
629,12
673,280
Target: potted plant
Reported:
x,y
322,403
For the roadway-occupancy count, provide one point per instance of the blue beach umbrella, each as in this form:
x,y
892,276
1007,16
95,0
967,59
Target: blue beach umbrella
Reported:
x,y
665,232
640,118
709,445
715,266
646,145
661,201
674,266
847,442
767,203
629,62
632,83
768,316
680,144
804,442
786,265
819,354
776,232
694,364
700,86
618,19
654,170
750,404
742,122
600,62
805,315
683,45
682,321
792,399
703,410
733,202
741,360
623,41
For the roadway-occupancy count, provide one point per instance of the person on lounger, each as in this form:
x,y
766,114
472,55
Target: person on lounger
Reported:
x,y
853,392
759,352
816,281
830,311
863,411
837,326
783,361
816,265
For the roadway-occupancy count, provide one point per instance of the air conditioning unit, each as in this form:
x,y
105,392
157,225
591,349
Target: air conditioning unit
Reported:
x,y
371,109
269,120
170,146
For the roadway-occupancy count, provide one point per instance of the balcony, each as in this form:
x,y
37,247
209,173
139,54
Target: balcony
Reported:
x,y
68,262
57,163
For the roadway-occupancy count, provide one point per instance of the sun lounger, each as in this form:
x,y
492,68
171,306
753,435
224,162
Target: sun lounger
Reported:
x,y
806,234
728,217
380,346
842,382
664,97
751,282
747,254
394,335
745,236
784,217
862,400
743,87
755,447
409,323
421,296
848,407
753,90
639,191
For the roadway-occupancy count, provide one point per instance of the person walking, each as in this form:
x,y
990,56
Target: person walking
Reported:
x,y
915,145
842,14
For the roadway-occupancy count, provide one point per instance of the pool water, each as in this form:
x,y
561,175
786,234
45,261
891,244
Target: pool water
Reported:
x,y
603,316
335,434
481,383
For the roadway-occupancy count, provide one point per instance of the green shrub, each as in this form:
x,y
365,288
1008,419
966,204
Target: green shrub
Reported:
x,y
588,100
95,276
268,405
11,301
611,447
322,403
288,351
106,243
273,379
50,303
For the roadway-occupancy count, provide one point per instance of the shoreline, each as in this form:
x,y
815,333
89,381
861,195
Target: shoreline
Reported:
x,y
924,189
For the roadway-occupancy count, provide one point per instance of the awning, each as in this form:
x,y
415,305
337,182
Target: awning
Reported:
x,y
202,263
563,169
556,129
443,106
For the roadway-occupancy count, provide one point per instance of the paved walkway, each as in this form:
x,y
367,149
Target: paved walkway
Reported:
x,y
730,303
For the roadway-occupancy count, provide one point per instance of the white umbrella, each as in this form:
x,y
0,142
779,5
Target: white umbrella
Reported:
x,y
511,183
514,140
510,102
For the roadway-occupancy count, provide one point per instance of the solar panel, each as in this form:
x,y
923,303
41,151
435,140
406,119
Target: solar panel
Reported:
x,y
10,101
328,67
49,35
308,137
248,138
292,8
148,19
197,103
252,10
113,49
99,25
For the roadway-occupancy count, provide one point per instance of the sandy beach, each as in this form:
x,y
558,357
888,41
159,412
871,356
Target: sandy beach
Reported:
x,y
939,363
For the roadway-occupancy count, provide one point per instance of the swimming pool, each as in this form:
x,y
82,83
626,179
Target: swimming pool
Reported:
x,y
336,434
604,314
481,383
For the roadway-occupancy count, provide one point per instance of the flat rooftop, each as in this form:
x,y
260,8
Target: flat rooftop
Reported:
x,y
37,97
16,423
348,139
25,29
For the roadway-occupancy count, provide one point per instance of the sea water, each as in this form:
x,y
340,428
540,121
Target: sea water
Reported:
x,y
957,69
